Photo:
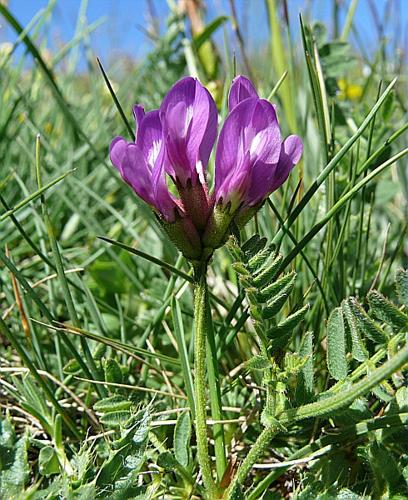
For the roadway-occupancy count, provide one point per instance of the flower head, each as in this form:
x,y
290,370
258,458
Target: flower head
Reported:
x,y
176,140
251,160
247,153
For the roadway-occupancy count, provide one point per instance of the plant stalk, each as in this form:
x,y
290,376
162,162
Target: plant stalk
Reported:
x,y
200,341
254,454
215,395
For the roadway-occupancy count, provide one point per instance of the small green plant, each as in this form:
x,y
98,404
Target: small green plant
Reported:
x,y
301,329
288,377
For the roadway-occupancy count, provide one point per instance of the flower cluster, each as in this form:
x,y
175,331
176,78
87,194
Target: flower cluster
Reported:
x,y
174,144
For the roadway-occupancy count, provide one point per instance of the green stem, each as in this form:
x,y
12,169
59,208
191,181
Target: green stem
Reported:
x,y
255,453
215,396
319,408
200,339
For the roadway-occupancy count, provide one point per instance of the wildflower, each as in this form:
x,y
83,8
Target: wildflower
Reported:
x,y
348,90
142,165
251,161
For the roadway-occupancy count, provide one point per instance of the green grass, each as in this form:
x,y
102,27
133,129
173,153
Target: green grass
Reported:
x,y
96,344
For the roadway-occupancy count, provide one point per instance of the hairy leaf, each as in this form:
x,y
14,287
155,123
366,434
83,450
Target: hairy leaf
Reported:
x,y
112,370
402,285
182,435
358,349
336,345
121,470
288,326
274,288
257,363
48,463
112,403
254,245
14,467
259,259
366,324
263,277
274,305
385,310
305,381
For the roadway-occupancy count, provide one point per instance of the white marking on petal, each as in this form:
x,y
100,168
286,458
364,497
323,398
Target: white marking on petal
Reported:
x,y
258,143
188,118
200,172
154,153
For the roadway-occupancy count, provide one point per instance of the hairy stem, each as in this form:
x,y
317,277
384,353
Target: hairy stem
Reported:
x,y
200,340
254,454
215,396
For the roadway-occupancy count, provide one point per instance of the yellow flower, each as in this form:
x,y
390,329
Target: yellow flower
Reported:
x,y
349,91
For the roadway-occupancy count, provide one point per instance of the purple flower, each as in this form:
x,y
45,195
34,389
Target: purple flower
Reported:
x,y
142,163
251,160
189,117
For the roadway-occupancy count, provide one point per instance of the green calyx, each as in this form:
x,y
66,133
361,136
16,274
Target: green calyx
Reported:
x,y
185,238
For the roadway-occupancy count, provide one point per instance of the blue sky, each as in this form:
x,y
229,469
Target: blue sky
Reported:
x,y
122,29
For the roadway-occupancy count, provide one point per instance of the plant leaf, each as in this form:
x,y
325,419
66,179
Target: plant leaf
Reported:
x,y
358,349
402,285
182,435
198,40
336,345
385,310
305,381
121,470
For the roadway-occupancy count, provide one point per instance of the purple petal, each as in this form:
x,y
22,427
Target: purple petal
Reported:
x,y
141,164
137,174
292,149
176,143
229,148
251,129
235,187
291,152
203,130
182,91
241,88
117,151
150,141
129,159
150,137
262,181
189,118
